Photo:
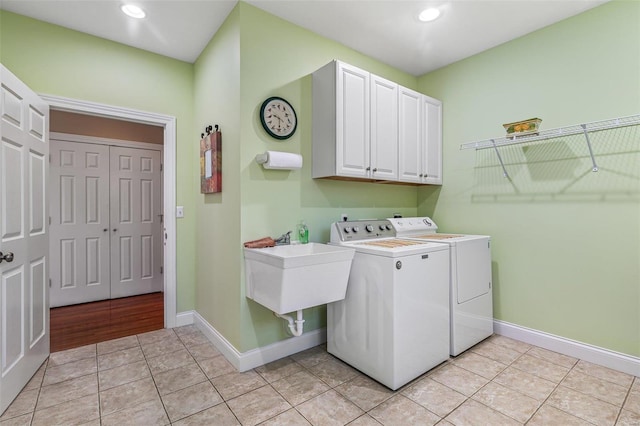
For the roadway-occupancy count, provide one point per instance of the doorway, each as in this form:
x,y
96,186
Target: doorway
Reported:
x,y
166,125
105,216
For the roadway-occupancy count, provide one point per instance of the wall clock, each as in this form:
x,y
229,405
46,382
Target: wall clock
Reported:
x,y
278,118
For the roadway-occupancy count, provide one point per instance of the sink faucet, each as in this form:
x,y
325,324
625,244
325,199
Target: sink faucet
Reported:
x,y
284,239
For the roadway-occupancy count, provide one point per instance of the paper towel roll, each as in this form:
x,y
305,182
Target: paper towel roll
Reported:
x,y
280,160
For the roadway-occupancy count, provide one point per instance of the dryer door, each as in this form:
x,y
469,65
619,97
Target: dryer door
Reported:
x,y
473,267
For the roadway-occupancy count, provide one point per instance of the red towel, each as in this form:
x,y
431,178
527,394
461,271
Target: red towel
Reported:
x,y
261,243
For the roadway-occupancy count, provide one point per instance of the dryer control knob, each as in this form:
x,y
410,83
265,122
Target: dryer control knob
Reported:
x,y
369,228
346,230
355,229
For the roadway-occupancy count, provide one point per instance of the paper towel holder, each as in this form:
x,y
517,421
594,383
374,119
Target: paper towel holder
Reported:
x,y
263,159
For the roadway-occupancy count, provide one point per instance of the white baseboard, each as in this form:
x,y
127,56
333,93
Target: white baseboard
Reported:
x,y
596,355
184,318
244,361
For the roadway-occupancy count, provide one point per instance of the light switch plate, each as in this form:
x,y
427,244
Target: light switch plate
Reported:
x,y
179,211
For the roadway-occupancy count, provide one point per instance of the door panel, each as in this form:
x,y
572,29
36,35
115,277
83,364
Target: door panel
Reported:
x,y
473,268
432,161
352,121
384,128
79,223
136,229
24,295
410,136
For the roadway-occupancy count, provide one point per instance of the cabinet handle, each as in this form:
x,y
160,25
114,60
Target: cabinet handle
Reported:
x,y
368,168
421,175
375,170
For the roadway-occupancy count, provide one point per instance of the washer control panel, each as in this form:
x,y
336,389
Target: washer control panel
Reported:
x,y
361,230
412,225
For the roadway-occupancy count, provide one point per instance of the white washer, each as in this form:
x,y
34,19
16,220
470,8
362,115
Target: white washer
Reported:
x,y
393,324
471,290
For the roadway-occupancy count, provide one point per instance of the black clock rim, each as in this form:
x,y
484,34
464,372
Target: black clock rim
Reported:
x,y
264,124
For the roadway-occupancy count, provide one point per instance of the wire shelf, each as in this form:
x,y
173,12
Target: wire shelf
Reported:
x,y
585,129
595,126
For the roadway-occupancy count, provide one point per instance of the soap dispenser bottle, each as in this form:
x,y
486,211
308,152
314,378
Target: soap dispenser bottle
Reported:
x,y
303,233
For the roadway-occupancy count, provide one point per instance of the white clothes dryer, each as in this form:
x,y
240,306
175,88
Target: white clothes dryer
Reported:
x,y
393,324
471,292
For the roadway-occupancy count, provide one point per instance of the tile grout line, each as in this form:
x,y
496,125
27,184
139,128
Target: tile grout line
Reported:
x,y
624,401
155,384
551,393
210,380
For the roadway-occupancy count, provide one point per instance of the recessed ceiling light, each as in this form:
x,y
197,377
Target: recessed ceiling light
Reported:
x,y
429,15
133,11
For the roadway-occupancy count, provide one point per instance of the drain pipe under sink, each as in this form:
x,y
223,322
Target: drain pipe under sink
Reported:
x,y
296,329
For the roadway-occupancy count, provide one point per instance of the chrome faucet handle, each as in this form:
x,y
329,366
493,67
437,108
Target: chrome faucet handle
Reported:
x,y
283,239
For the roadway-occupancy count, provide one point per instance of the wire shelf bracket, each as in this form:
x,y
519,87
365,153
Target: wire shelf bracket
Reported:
x,y
585,129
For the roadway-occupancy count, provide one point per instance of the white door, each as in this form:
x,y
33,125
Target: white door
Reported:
x,y
136,227
352,121
410,136
384,128
24,293
79,229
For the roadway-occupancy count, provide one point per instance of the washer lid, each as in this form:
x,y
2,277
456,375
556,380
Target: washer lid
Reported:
x,y
394,247
413,225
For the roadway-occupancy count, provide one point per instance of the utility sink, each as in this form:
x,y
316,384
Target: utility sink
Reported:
x,y
288,278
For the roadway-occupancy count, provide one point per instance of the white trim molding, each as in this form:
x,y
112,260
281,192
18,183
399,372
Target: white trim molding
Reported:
x,y
169,162
55,136
244,361
594,354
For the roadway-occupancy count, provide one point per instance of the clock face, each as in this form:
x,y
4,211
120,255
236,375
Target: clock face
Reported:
x,y
278,118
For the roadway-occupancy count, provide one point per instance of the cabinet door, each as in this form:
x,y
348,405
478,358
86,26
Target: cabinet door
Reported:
x,y
432,157
352,121
384,128
410,136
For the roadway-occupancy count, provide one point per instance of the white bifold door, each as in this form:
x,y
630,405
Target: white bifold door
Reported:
x,y
24,260
106,223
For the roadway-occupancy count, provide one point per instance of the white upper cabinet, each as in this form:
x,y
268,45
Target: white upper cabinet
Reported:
x,y
410,140
384,129
340,121
432,144
367,127
352,121
420,138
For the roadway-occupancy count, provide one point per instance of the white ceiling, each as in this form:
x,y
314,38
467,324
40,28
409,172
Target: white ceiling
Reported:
x,y
387,30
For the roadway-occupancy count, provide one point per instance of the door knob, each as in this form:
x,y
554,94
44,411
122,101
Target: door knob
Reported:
x,y
6,257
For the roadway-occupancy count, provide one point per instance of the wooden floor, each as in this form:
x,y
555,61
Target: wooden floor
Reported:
x,y
79,325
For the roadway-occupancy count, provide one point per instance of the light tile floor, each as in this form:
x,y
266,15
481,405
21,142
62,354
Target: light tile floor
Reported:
x,y
175,376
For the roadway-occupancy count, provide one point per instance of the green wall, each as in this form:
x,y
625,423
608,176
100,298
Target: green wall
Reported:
x,y
274,201
57,61
257,202
217,101
565,240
